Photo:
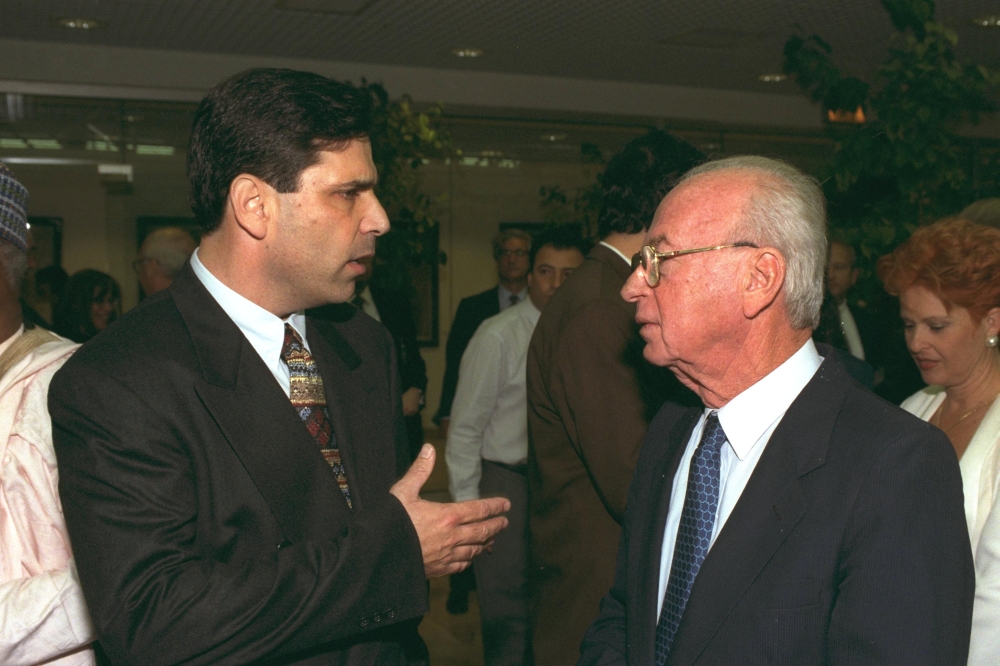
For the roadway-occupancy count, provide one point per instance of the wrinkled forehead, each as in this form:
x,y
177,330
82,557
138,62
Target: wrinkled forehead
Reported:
x,y
706,209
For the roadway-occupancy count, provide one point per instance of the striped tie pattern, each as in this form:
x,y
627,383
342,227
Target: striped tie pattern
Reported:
x,y
308,399
694,534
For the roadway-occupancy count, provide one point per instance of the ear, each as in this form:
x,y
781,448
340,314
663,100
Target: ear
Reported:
x,y
992,320
254,204
764,279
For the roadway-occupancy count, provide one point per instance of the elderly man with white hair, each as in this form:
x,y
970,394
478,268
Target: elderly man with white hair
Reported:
x,y
797,518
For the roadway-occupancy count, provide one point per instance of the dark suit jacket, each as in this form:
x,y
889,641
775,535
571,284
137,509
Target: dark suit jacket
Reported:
x,y
591,396
847,546
472,311
206,525
396,313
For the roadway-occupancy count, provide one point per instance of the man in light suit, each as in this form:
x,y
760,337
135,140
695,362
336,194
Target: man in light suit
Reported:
x,y
230,464
797,518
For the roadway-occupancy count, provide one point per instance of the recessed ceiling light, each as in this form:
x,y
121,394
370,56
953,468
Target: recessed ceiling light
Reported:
x,y
79,23
553,137
467,53
772,78
992,21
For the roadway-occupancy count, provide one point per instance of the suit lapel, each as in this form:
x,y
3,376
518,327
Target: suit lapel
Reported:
x,y
769,508
257,419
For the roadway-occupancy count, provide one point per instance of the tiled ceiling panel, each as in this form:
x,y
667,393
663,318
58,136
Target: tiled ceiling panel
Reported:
x,y
711,43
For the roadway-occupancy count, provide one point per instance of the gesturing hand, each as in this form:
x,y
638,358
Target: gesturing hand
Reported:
x,y
450,534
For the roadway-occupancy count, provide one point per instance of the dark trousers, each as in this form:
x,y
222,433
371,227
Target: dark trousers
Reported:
x,y
500,575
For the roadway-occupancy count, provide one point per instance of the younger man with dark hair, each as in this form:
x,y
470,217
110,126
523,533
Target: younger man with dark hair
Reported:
x,y
229,464
488,442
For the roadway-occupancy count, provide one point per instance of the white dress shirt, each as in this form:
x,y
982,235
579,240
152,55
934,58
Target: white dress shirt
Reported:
x,y
850,329
748,421
628,260
263,330
489,418
504,294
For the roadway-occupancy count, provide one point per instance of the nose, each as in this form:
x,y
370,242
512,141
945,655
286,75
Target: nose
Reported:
x,y
375,220
635,287
915,339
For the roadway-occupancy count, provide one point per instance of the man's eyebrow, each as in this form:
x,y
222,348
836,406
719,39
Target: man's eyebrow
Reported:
x,y
356,185
656,240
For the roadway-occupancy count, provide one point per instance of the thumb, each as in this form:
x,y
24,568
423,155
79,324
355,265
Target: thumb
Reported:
x,y
417,475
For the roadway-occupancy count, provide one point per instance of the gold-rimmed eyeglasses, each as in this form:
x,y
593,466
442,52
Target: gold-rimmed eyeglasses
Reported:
x,y
650,259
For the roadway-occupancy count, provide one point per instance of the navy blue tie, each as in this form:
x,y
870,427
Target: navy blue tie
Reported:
x,y
694,534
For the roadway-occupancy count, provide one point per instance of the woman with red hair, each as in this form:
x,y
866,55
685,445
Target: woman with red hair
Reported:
x,y
947,278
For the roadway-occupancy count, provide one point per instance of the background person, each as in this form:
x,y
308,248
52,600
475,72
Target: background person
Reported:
x,y
90,302
511,248
162,255
488,442
393,308
945,276
43,616
795,518
590,398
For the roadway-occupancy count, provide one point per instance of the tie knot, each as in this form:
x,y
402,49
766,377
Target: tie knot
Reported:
x,y
713,436
293,343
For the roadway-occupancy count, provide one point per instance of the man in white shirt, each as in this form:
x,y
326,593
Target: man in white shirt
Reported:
x,y
488,441
796,518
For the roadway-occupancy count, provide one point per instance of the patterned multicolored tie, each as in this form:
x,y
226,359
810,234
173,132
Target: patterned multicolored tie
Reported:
x,y
308,399
694,535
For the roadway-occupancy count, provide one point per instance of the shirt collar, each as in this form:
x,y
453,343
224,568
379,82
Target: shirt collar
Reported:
x,y
529,311
9,341
628,260
264,330
749,415
506,293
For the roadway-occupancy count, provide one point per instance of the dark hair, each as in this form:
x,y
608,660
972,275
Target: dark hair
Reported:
x,y
71,318
638,178
505,235
270,123
54,277
561,237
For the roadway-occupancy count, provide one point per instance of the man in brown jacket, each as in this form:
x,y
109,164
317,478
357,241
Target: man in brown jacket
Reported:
x,y
590,398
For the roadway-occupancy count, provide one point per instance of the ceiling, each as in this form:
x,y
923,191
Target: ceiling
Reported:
x,y
722,44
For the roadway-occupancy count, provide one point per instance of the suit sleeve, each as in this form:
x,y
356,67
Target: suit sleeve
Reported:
x,y
985,644
911,605
462,329
130,494
604,405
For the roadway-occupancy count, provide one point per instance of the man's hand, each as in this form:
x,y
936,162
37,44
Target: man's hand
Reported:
x,y
450,534
411,401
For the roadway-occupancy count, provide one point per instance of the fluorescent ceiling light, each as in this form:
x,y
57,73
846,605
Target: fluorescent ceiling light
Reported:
x,y
991,21
772,78
325,6
78,23
467,53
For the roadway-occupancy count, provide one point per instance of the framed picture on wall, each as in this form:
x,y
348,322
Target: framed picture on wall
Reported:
x,y
47,234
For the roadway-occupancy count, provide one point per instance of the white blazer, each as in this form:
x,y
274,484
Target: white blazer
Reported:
x,y
980,465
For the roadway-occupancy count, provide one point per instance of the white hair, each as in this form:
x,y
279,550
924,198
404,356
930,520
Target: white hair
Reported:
x,y
14,262
787,211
